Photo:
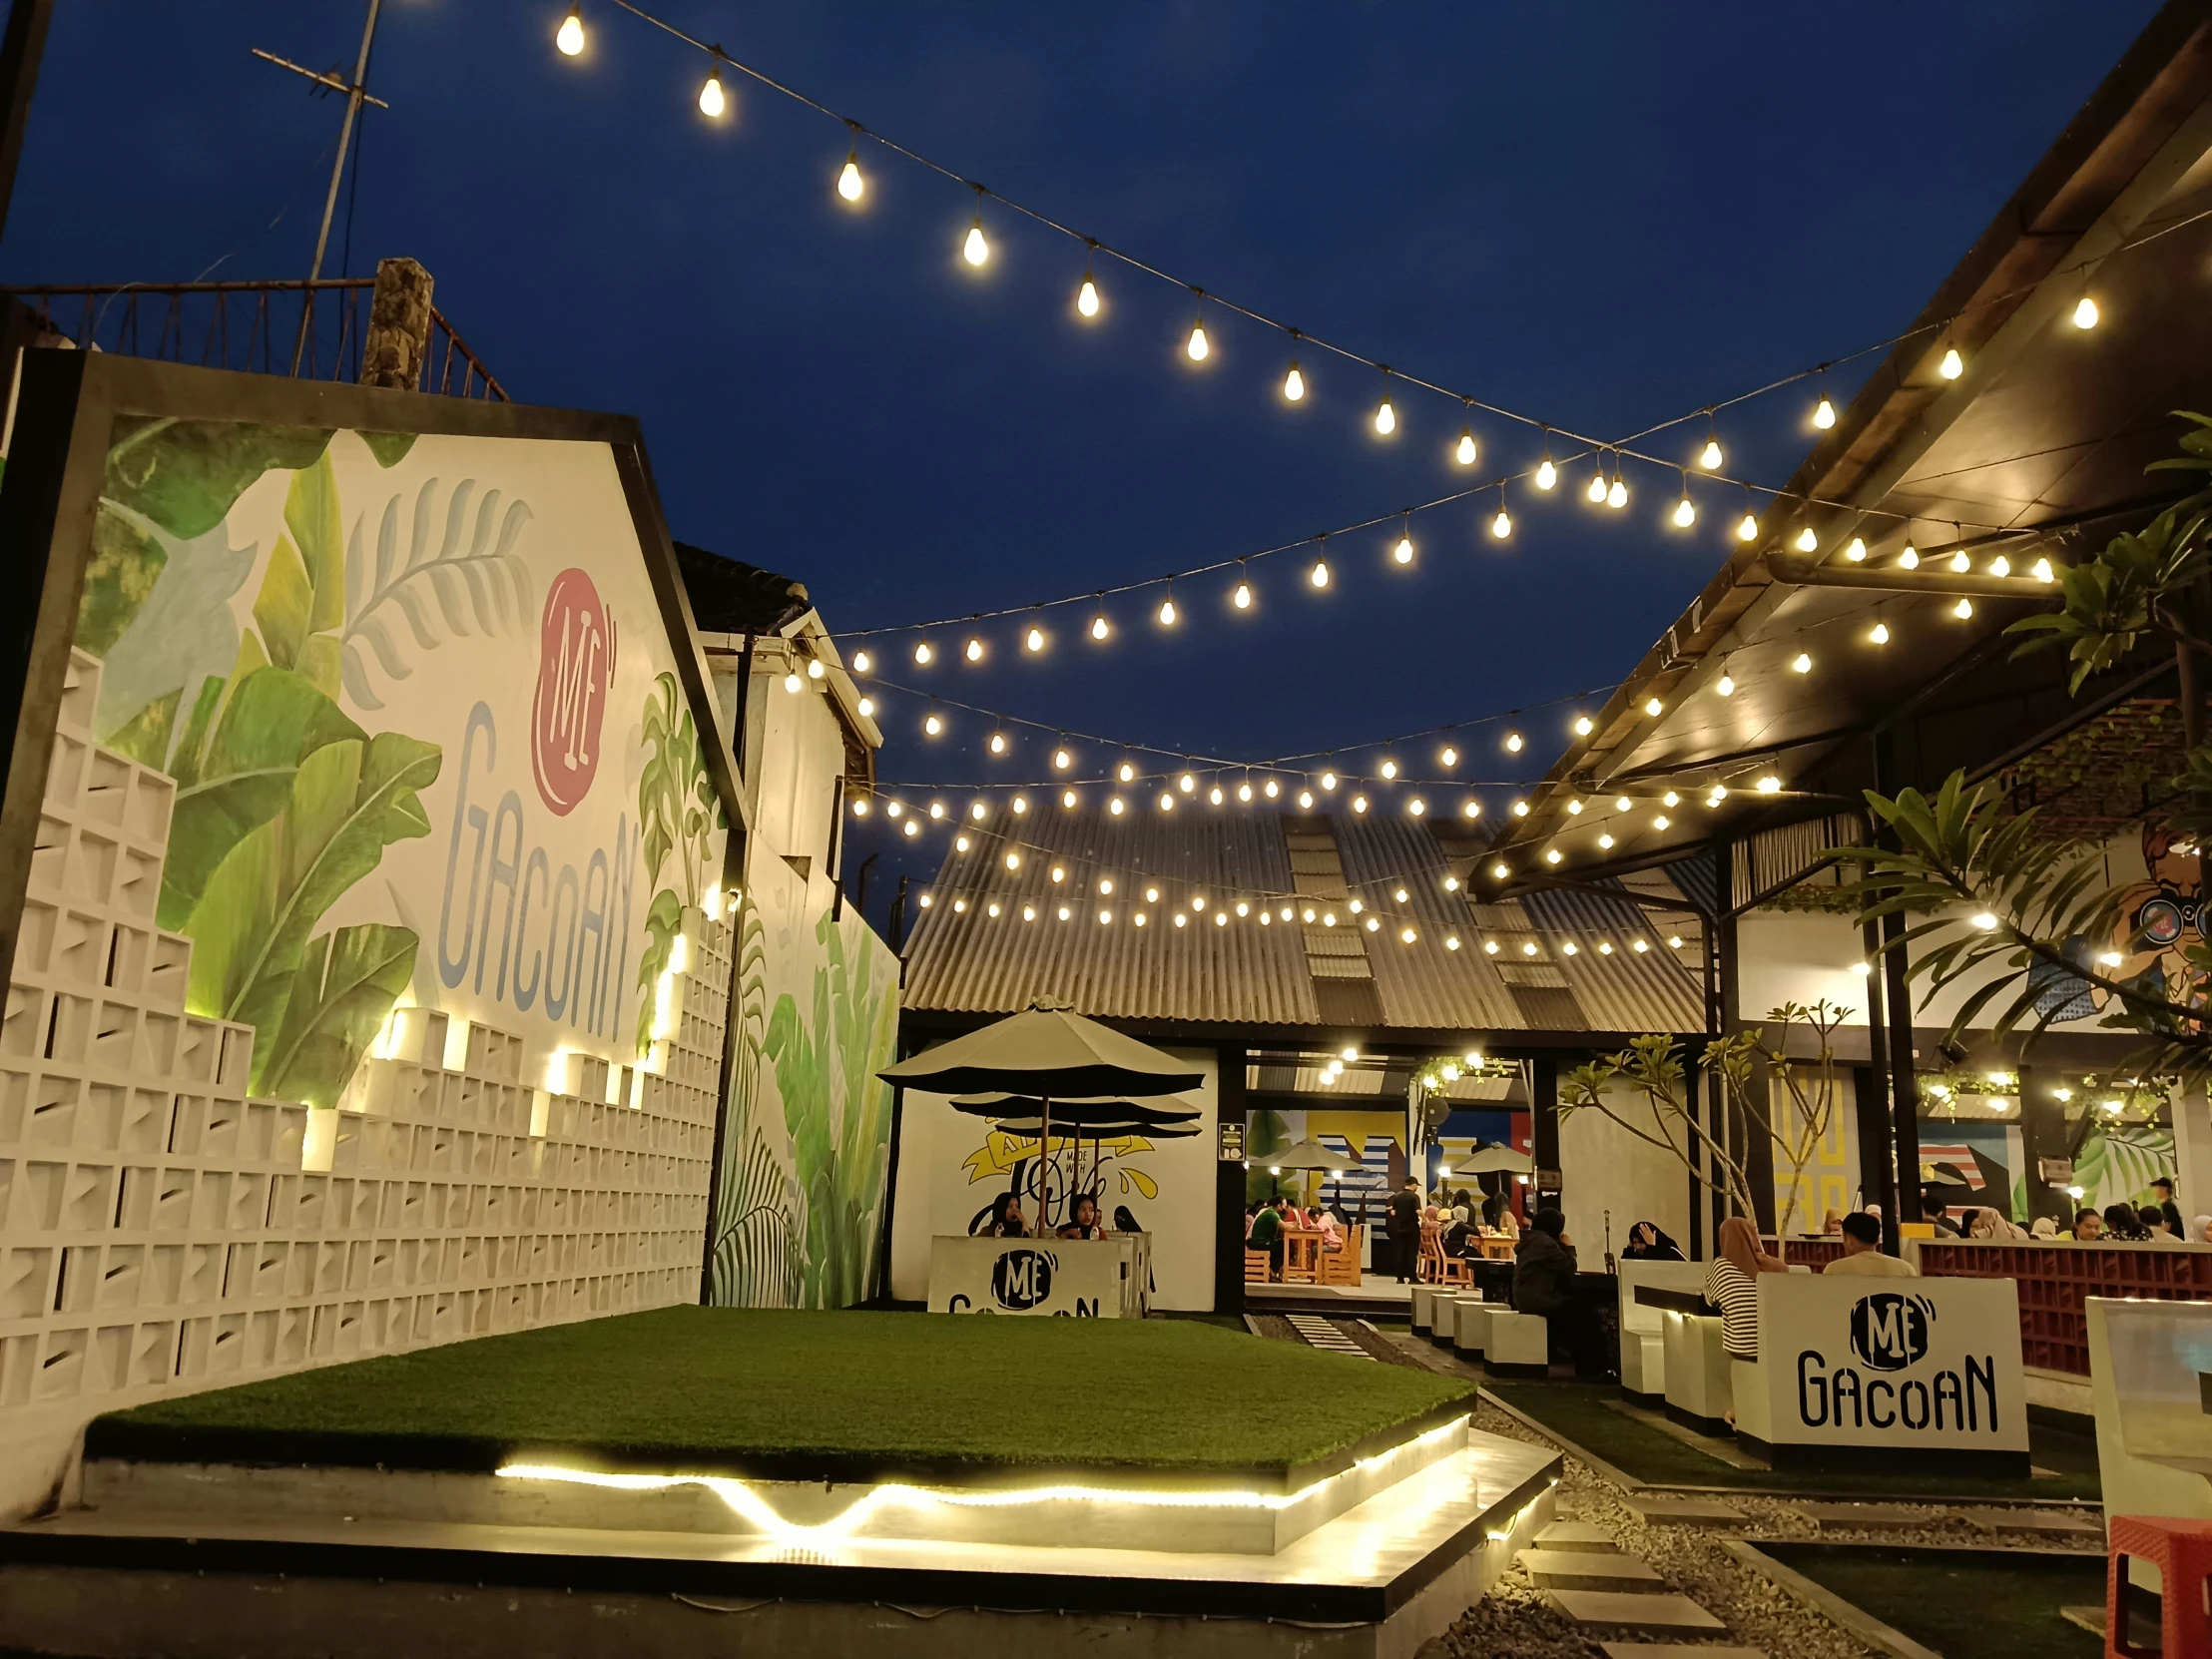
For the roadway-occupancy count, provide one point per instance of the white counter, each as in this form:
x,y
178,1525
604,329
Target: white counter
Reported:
x,y
1107,1278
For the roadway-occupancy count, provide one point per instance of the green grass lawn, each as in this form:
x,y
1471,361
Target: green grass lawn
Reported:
x,y
1578,1411
714,1383
1963,1609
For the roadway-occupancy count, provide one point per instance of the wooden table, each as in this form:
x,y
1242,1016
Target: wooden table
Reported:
x,y
1300,1255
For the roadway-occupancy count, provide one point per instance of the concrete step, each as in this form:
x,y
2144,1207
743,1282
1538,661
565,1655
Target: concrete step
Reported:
x,y
1684,1511
1578,1536
2035,1523
1873,1518
1663,1615
1676,1650
1578,1569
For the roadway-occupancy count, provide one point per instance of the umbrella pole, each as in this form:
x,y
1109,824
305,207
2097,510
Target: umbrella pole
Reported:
x,y
1044,1165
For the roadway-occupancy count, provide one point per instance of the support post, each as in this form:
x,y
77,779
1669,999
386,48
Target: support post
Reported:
x,y
398,336
2043,1135
1878,1170
1543,1128
1228,1183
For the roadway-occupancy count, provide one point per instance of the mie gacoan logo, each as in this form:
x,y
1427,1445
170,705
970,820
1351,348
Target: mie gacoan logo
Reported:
x,y
1889,1330
1022,1278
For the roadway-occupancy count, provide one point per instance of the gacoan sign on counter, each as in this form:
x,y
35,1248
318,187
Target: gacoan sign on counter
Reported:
x,y
1927,1370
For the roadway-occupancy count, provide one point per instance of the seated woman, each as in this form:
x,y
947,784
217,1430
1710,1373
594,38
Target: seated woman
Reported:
x,y
1083,1220
1006,1219
1647,1243
1332,1236
1458,1237
1732,1286
2122,1221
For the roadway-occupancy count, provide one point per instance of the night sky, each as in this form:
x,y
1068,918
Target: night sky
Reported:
x,y
1602,217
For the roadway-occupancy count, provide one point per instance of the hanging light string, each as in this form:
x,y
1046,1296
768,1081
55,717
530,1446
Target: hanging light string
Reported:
x,y
851,187
1076,887
1186,758
571,40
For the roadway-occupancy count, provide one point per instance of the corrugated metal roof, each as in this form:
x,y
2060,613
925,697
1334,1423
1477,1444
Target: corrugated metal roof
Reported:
x,y
966,960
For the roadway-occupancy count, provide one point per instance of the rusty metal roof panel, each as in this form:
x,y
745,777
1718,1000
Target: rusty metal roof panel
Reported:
x,y
968,960
1422,984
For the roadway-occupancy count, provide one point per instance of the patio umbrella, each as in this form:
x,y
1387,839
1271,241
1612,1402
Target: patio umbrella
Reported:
x,y
1168,1118
1050,1051
1503,1158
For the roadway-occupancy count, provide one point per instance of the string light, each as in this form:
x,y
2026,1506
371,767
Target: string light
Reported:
x,y
1726,684
1953,364
934,725
850,185
1960,563
2000,566
1711,457
1909,559
1685,510
1823,413
1746,527
1596,490
2042,571
1802,663
1319,574
1962,610
1502,525
973,650
1099,628
1585,725
1465,452
976,249
1807,541
998,747
570,36
1033,641
1167,610
1879,634
1293,384
1086,296
1513,743
1402,552
712,103
1547,475
1386,413
861,662
924,653
2085,313
1198,348
1856,551
1617,496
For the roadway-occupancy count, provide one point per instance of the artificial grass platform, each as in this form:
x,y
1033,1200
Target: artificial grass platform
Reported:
x,y
811,1396
1578,1411
1963,1604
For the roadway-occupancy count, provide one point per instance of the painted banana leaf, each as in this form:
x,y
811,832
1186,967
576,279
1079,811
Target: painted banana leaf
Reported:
x,y
664,919
336,1001
346,802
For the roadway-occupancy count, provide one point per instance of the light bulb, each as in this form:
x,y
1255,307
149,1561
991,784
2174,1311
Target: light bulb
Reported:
x,y
2084,311
1952,365
1606,841
1719,792
1856,551
975,250
1086,296
792,681
998,747
1328,780
1617,496
1962,610
1465,453
1244,791
867,707
570,36
1824,416
1520,808
1389,768
2042,571
1726,684
1502,525
924,653
1769,784
1020,805
1167,613
861,662
1242,598
1067,802
850,185
1746,527
1187,784
1404,551
1711,457
1127,773
2000,566
815,670
1214,796
1596,491
1546,474
1385,419
1270,789
1099,629
1574,807
934,725
1033,639
1305,800
710,101
1685,513
1359,803
1062,759
1585,725
1961,563
1909,559
1449,756
1622,803
1197,347
1320,573
1500,870
1807,541
893,808
1879,634
973,650
1293,384
1513,743
1802,663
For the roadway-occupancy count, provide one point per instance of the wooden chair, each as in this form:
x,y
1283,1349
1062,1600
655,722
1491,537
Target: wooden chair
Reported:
x,y
1341,1266
1435,1267
1256,1267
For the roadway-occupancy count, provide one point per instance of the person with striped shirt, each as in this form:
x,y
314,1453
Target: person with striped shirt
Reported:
x,y
1732,1286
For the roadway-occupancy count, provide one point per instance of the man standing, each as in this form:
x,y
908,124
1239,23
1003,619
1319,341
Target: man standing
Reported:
x,y
1862,1252
2163,1190
1404,1227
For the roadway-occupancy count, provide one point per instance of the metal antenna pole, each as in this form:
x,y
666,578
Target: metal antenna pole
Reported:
x,y
353,96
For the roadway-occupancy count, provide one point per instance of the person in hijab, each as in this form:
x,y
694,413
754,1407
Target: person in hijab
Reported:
x,y
1543,1268
2042,1227
1732,1286
1831,1223
1006,1218
1647,1243
1986,1223
1125,1220
2200,1229
1460,1236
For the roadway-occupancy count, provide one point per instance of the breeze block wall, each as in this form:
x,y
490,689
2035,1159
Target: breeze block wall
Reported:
x,y
162,1232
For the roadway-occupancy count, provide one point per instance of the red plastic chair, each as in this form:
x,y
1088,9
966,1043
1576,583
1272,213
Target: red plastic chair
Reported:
x,y
2182,1552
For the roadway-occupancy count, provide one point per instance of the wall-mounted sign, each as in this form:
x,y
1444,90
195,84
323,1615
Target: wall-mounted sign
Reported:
x,y
2055,1172
1231,1143
1071,1278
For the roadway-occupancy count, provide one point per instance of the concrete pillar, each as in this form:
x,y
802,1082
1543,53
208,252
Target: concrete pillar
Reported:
x,y
2192,1152
1543,1128
2043,1136
398,336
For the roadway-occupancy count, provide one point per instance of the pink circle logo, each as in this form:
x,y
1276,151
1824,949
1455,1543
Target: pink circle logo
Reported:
x,y
576,668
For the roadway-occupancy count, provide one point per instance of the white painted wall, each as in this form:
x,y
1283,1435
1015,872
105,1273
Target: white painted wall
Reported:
x,y
1603,1167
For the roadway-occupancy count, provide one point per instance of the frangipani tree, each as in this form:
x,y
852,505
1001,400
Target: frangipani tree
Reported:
x,y
1748,1070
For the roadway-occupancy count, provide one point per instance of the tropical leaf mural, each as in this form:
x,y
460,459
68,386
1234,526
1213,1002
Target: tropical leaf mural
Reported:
x,y
2118,1164
679,813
